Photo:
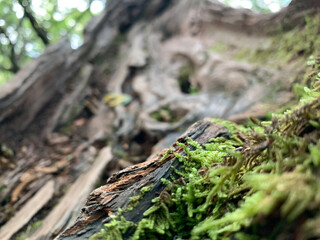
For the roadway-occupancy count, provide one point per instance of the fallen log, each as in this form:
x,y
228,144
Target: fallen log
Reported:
x,y
122,186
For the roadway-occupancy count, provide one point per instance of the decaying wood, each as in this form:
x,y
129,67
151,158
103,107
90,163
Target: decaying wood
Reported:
x,y
54,109
106,200
64,213
11,179
21,218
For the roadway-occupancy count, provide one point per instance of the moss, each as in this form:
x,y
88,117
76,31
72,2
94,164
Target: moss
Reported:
x,y
156,222
286,46
162,115
115,230
135,199
233,186
120,154
221,47
35,225
165,114
118,224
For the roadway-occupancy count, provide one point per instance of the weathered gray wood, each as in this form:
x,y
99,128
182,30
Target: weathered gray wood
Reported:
x,y
73,200
22,217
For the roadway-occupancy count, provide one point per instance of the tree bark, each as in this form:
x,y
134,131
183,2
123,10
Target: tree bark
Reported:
x,y
106,200
142,76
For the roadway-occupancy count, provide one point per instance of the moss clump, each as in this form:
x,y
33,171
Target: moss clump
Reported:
x,y
114,229
165,114
162,115
118,224
299,41
135,199
260,182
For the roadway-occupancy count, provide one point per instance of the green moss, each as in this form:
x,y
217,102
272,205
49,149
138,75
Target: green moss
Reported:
x,y
114,230
162,115
156,222
220,47
119,225
135,199
165,114
35,225
233,186
120,154
166,154
296,44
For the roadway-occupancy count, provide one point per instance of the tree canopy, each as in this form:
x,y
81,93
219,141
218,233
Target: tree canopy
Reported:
x,y
28,26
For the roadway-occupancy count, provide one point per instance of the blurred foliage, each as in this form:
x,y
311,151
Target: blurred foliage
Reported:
x,y
27,26
285,47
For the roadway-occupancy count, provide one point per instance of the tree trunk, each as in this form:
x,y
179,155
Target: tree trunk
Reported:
x,y
142,76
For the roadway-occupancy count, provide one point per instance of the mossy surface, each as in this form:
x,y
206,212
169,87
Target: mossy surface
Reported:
x,y
286,46
261,182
